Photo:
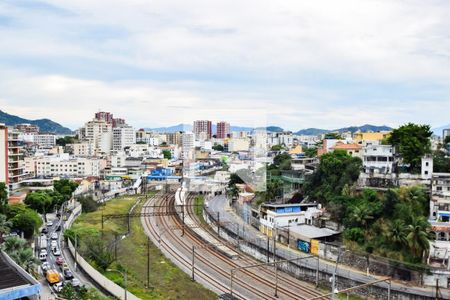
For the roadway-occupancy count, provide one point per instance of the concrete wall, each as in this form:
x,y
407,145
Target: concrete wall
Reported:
x,y
308,272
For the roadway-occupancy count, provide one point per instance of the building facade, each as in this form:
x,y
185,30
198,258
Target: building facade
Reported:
x,y
223,130
123,136
203,128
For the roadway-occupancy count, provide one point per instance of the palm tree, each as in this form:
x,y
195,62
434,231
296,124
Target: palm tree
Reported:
x,y
361,215
397,233
14,244
5,227
418,237
25,258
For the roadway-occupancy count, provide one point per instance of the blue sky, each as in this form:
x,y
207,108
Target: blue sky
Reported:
x,y
295,64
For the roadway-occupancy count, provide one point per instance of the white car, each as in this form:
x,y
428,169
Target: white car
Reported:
x,y
49,224
75,282
56,252
54,244
43,256
58,286
44,252
54,236
45,266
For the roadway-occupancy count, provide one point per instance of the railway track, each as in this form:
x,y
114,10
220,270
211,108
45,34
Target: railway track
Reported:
x,y
211,257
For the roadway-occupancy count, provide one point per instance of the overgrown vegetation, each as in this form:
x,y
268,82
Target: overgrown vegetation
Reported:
x,y
392,223
166,280
47,200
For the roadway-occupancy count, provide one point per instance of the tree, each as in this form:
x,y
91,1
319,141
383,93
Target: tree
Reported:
x,y
218,147
5,226
418,237
40,201
24,219
333,136
397,234
336,170
167,154
65,140
65,187
98,252
276,148
88,204
412,141
441,162
13,244
311,152
25,258
3,197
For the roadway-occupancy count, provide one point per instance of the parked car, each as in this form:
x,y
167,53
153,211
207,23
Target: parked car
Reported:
x,y
56,252
58,228
49,224
43,251
59,260
68,274
44,230
42,256
54,244
54,236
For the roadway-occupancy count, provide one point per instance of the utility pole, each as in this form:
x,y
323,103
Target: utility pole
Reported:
x,y
218,223
182,213
148,262
193,260
268,253
317,271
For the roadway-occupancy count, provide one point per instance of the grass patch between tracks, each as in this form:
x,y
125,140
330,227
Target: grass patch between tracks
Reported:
x,y
166,280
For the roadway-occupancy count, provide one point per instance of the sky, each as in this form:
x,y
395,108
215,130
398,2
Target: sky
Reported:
x,y
295,64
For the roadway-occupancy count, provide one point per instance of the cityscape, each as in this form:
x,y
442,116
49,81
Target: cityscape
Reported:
x,y
256,150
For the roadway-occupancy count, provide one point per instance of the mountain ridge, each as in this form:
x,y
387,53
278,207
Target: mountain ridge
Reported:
x,y
45,125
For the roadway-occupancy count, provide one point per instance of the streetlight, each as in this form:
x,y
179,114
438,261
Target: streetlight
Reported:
x,y
124,274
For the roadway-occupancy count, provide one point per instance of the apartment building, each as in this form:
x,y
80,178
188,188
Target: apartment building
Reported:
x,y
27,128
15,159
202,129
238,144
4,175
63,165
46,141
99,133
223,130
123,137
85,149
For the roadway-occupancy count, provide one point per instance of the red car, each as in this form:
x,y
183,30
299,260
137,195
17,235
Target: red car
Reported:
x,y
59,260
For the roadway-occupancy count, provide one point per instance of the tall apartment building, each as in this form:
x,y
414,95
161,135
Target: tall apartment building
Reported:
x,y
4,175
117,122
83,149
15,160
203,128
104,116
99,133
123,136
445,133
223,130
188,144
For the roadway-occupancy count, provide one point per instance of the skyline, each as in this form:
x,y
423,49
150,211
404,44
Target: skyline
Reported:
x,y
293,65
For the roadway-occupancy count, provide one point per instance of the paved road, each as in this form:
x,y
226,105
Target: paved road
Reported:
x,y
51,258
220,204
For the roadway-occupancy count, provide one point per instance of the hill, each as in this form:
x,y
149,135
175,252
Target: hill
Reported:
x,y
45,125
352,129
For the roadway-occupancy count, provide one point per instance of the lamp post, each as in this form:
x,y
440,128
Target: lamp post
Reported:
x,y
124,274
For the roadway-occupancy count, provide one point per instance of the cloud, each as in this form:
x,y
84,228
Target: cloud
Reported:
x,y
299,63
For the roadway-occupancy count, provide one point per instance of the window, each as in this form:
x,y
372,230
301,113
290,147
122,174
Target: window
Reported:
x,y
427,164
426,172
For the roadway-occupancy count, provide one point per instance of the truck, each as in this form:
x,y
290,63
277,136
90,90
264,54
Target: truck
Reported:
x,y
43,242
52,276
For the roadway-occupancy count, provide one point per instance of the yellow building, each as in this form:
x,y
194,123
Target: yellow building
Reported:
x,y
359,137
296,150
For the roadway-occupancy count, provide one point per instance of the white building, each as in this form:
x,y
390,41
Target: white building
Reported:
x,y
99,133
123,137
378,159
63,165
3,153
47,141
188,148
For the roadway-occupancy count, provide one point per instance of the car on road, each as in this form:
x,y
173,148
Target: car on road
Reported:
x,y
44,230
64,266
45,266
54,236
43,251
75,282
59,260
49,223
58,287
68,274
56,252
54,244
58,228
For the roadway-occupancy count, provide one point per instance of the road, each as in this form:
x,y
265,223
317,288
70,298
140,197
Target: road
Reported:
x,y
227,215
211,267
51,258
